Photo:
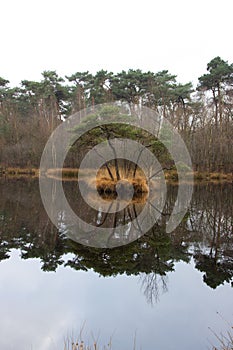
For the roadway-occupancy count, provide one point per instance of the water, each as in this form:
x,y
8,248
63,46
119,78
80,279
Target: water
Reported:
x,y
163,291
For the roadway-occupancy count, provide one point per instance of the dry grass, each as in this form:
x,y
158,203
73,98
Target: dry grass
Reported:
x,y
107,186
81,346
106,181
172,175
103,183
139,183
220,176
19,171
225,340
69,173
64,172
77,343
125,173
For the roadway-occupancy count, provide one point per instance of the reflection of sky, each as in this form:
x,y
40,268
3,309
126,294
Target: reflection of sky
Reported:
x,y
39,309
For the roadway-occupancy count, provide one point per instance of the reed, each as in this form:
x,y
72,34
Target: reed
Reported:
x,y
225,340
81,346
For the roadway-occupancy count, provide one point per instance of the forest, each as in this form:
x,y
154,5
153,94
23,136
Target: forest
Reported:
x,y
202,114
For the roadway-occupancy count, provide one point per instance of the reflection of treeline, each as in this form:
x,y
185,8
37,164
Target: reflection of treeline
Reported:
x,y
211,218
205,234
203,115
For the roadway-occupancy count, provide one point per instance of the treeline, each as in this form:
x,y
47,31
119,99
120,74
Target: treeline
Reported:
x,y
203,114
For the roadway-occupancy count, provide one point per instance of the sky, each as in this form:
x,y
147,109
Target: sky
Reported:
x,y
69,36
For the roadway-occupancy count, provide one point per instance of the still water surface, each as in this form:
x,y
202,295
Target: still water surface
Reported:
x,y
163,290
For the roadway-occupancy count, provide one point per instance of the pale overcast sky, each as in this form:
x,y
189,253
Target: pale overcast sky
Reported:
x,y
76,35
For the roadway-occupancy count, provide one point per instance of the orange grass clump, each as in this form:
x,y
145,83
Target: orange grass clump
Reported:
x,y
108,186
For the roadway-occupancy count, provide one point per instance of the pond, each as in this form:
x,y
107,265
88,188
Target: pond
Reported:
x,y
162,291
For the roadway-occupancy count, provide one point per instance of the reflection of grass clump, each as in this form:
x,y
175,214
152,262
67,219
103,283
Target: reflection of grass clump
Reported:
x,y
140,185
105,186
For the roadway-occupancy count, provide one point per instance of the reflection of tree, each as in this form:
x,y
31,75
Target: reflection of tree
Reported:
x,y
217,271
151,253
204,233
213,222
50,258
152,284
25,225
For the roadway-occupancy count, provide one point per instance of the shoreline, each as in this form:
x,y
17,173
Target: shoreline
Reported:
x,y
70,174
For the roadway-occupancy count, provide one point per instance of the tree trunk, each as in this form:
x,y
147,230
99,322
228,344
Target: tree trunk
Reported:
x,y
115,161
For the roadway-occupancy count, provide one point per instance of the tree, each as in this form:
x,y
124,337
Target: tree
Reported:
x,y
80,92
218,79
215,133
129,86
108,132
100,87
55,94
105,132
162,89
